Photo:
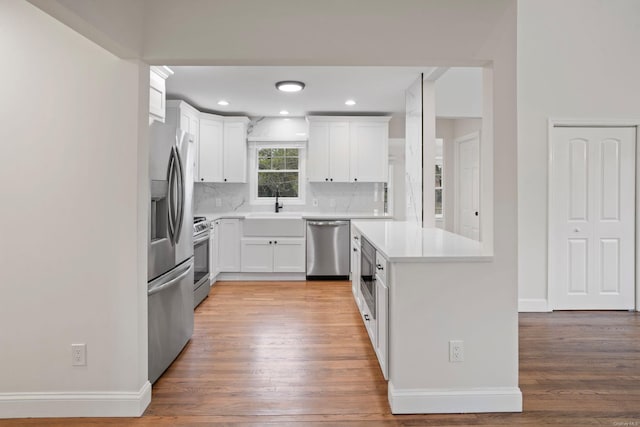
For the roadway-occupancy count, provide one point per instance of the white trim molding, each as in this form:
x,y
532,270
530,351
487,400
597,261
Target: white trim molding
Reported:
x,y
458,401
533,305
267,277
81,404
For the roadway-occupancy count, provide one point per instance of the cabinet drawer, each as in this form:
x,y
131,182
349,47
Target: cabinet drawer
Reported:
x,y
381,267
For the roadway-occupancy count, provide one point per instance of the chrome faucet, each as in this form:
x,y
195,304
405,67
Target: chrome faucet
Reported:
x,y
278,205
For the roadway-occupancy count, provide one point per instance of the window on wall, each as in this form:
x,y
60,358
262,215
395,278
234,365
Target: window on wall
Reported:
x,y
438,177
278,169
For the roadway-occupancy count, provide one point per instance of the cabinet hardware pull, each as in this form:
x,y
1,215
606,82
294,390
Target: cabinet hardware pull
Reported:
x,y
379,267
270,242
366,317
355,250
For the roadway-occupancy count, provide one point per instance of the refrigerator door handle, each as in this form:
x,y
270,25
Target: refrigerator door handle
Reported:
x,y
181,194
170,199
160,286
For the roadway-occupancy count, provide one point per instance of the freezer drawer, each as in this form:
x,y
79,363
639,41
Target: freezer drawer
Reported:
x,y
170,311
328,249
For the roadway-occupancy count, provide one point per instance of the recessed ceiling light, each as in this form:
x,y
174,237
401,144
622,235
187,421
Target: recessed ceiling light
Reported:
x,y
223,102
284,112
350,102
290,86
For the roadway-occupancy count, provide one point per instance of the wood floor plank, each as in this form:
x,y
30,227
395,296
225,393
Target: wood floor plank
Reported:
x,y
297,354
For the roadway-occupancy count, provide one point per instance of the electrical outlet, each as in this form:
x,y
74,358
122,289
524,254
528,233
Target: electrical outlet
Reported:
x,y
314,202
456,351
332,203
218,202
78,354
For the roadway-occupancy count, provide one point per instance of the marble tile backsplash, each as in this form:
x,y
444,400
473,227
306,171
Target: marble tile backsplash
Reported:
x,y
363,198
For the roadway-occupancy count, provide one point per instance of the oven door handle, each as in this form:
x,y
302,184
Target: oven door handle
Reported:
x,y
200,238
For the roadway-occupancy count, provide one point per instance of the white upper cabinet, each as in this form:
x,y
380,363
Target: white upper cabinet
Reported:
x,y
339,151
188,120
235,149
370,151
211,148
328,152
157,92
223,149
318,157
348,149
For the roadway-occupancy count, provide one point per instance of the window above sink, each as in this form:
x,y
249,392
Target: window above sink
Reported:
x,y
277,166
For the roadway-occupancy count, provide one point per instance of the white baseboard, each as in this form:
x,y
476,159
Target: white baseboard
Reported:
x,y
533,305
261,277
89,404
428,401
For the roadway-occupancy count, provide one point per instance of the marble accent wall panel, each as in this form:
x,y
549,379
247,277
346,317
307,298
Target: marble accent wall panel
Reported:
x,y
365,198
413,152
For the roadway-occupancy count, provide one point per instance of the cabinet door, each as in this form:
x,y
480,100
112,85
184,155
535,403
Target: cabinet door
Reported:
x,y
215,249
355,270
210,150
318,152
212,256
235,152
339,152
289,255
257,255
157,92
382,329
194,130
369,152
229,241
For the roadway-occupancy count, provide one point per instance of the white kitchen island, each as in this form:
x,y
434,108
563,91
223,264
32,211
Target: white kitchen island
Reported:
x,y
435,287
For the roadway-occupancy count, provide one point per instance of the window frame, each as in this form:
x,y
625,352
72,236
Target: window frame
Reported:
x,y
254,149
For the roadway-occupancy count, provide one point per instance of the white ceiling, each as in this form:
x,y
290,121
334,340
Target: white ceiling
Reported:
x,y
251,90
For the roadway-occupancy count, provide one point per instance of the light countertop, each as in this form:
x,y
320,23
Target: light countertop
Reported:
x,y
302,215
401,241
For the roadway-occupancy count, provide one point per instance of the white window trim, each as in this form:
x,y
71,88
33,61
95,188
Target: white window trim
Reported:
x,y
254,147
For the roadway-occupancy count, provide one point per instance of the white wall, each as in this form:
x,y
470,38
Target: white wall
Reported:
x,y
459,93
583,64
71,252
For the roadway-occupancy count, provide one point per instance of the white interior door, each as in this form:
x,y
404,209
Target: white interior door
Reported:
x,y
468,186
592,218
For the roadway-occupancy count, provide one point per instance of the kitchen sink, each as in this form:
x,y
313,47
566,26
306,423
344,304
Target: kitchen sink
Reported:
x,y
273,215
273,225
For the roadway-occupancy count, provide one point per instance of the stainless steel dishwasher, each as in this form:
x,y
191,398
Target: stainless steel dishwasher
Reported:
x,y
328,254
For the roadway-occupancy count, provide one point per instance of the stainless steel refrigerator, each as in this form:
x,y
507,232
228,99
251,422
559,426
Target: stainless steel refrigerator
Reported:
x,y
170,271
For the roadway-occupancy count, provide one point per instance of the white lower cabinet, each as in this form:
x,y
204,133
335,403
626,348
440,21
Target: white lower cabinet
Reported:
x,y
273,255
289,256
382,326
214,266
355,269
378,326
228,232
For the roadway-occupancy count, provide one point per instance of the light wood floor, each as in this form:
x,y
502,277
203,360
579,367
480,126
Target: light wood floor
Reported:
x,y
297,354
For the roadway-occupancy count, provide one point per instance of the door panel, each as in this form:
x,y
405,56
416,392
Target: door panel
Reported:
x,y
339,152
289,256
211,148
578,274
468,185
256,256
592,213
318,153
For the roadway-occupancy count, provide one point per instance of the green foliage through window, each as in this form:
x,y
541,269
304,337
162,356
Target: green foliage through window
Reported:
x,y
278,169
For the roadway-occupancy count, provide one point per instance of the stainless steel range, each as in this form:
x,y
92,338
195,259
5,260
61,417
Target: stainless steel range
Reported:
x,y
201,253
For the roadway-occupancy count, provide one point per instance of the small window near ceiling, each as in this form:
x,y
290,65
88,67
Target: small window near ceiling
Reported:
x,y
278,170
